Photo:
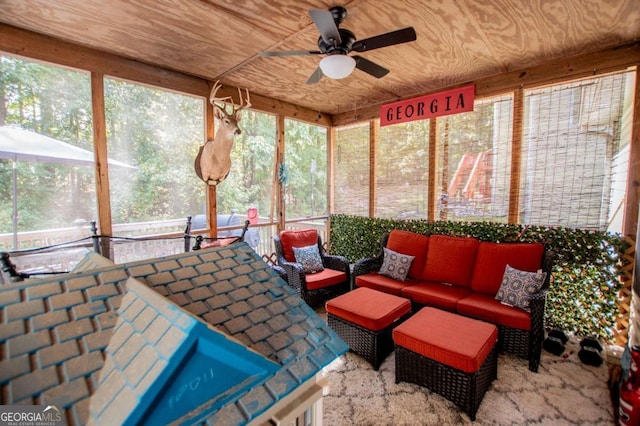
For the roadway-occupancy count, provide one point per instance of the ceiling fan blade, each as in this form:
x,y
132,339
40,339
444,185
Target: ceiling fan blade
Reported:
x,y
290,53
383,40
326,25
370,67
315,77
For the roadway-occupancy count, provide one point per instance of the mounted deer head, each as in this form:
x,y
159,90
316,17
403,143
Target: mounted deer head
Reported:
x,y
213,161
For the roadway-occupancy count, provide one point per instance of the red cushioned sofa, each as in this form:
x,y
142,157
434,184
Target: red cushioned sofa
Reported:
x,y
463,275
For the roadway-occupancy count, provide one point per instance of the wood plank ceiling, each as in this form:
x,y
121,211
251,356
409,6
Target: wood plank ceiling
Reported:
x,y
458,41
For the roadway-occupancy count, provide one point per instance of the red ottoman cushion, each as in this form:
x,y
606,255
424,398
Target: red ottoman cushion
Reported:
x,y
369,308
459,342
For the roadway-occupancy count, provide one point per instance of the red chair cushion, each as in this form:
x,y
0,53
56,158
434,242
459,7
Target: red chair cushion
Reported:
x,y
489,309
459,342
368,308
297,238
379,282
492,259
436,294
450,260
325,278
413,244
219,243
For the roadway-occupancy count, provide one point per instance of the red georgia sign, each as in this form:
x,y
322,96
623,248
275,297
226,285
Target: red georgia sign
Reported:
x,y
449,102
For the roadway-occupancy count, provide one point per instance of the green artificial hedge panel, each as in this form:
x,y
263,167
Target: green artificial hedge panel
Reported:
x,y
583,294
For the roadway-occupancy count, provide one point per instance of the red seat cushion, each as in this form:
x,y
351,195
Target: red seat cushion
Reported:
x,y
413,244
368,308
492,259
459,342
379,282
489,309
436,294
450,260
218,243
325,278
297,238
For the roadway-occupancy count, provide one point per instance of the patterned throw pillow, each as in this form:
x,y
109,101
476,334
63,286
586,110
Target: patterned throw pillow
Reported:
x,y
395,265
309,258
518,287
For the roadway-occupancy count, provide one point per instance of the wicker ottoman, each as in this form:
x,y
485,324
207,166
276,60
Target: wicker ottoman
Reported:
x,y
452,355
364,319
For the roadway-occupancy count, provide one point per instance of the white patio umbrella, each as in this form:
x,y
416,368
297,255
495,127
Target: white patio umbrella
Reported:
x,y
19,144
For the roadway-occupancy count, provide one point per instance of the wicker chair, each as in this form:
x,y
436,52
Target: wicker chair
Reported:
x,y
316,288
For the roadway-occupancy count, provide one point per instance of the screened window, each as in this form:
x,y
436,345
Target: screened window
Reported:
x,y
401,170
249,184
575,153
306,162
47,174
474,162
159,132
351,171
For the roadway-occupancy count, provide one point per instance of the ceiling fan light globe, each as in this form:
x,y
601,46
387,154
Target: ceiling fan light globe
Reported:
x,y
337,66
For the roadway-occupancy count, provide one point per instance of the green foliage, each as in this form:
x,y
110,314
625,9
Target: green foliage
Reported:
x,y
306,159
249,181
56,102
159,132
583,295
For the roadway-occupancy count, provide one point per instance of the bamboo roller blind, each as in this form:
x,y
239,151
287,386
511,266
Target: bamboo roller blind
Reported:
x,y
571,157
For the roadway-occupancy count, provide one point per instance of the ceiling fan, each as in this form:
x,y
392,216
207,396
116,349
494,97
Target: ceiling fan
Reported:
x,y
336,43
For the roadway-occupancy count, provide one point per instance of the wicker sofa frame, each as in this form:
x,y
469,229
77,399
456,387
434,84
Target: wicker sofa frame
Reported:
x,y
466,390
525,344
373,346
297,280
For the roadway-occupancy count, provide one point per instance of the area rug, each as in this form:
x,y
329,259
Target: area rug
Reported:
x,y
563,392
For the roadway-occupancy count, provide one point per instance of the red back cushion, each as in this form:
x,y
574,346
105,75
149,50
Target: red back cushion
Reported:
x,y
413,244
450,260
297,238
493,258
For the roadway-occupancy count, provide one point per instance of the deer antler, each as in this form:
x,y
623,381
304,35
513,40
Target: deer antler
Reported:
x,y
213,99
244,103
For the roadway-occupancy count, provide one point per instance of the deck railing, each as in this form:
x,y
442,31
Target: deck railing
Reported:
x,y
143,240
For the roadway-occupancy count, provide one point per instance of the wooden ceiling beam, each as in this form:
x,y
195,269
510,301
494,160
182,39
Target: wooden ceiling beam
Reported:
x,y
44,48
580,66
32,45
